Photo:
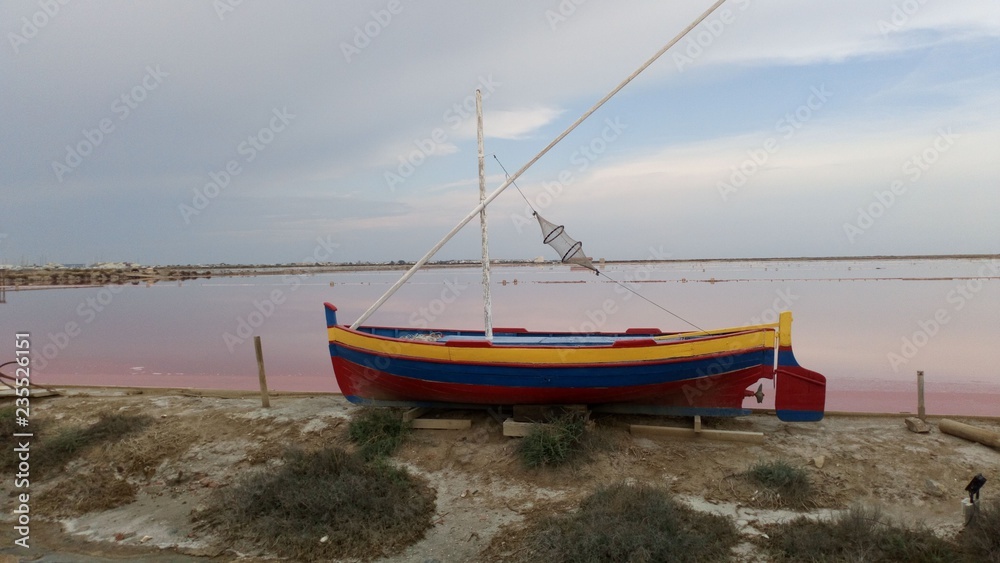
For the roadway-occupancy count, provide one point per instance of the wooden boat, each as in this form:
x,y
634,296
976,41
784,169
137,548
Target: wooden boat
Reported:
x,y
639,371
707,372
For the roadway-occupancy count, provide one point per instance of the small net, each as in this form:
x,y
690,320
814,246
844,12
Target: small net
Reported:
x,y
570,250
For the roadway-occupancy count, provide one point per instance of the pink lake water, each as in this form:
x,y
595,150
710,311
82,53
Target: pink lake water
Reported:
x,y
868,325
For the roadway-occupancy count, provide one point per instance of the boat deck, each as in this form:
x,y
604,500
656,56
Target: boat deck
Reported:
x,y
533,340
520,337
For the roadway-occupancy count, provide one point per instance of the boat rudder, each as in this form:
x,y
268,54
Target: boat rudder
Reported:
x,y
800,394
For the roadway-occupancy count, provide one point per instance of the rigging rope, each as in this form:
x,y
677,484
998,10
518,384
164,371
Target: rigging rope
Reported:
x,y
533,212
600,273
475,212
651,302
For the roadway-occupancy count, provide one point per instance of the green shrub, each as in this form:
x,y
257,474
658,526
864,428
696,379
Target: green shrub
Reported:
x,y
981,538
554,443
323,505
377,431
786,484
627,523
858,534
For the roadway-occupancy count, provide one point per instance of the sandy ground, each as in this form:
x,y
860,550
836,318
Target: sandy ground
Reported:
x,y
483,492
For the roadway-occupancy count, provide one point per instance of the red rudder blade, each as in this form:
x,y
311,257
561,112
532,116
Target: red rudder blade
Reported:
x,y
800,394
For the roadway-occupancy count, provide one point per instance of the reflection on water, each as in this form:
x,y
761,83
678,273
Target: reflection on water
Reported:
x,y
868,325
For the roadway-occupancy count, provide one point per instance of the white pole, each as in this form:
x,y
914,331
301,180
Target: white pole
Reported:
x,y
487,301
472,214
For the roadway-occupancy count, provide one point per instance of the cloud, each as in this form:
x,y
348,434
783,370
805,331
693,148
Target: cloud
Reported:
x,y
789,32
798,199
512,125
358,120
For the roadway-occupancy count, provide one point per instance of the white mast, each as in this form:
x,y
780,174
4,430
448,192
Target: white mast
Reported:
x,y
487,301
472,214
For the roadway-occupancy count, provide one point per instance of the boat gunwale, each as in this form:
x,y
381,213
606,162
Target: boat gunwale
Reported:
x,y
588,356
667,339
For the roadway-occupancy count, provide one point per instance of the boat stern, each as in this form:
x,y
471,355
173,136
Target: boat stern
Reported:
x,y
800,393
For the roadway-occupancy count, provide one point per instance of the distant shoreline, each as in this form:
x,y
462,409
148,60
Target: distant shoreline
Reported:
x,y
52,276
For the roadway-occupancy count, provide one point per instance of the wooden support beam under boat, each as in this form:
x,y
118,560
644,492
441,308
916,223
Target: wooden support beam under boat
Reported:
x,y
441,424
692,433
518,429
547,413
515,429
411,414
412,417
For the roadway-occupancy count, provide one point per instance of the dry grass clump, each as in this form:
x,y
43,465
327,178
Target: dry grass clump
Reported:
x,y
96,491
859,534
141,454
9,427
636,524
55,449
324,505
377,431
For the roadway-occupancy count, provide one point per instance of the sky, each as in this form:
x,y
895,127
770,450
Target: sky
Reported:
x,y
197,132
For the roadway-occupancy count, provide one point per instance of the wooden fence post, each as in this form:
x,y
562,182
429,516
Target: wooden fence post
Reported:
x,y
265,401
921,411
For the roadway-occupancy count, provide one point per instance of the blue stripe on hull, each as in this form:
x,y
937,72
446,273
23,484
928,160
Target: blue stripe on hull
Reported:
x,y
597,376
799,416
656,410
787,358
413,404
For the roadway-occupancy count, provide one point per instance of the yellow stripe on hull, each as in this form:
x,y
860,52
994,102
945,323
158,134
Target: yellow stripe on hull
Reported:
x,y
757,338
